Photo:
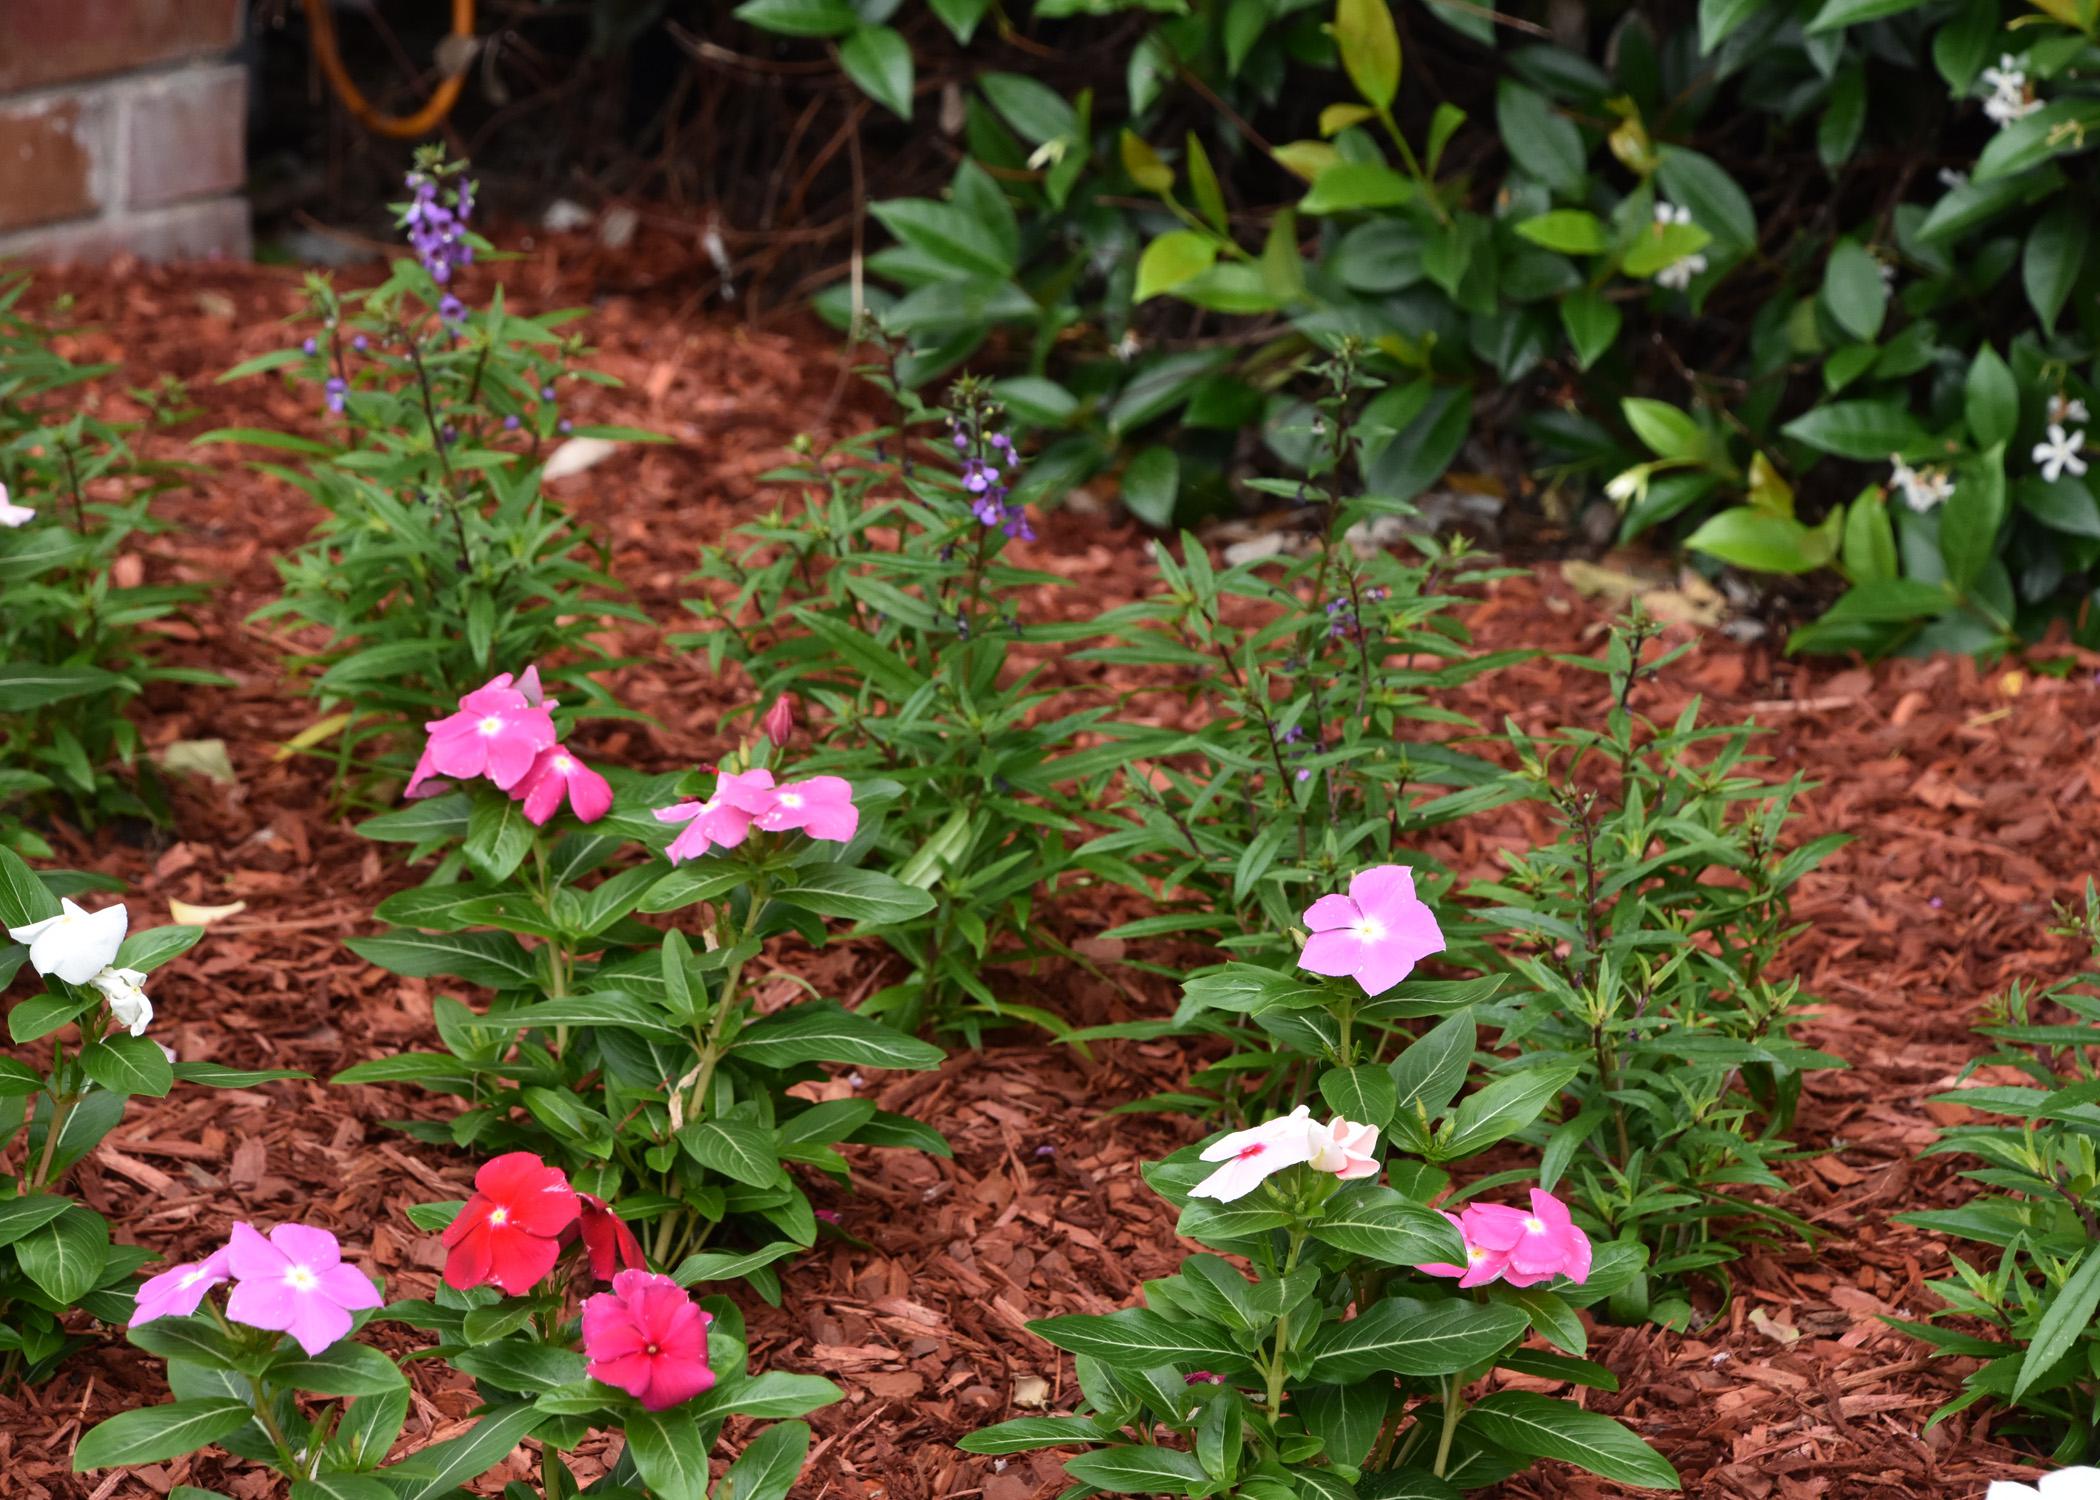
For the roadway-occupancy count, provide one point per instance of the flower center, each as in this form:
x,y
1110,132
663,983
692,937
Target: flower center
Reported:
x,y
1534,1224
491,726
301,1279
790,799
1476,1253
651,1350
563,765
1368,930
192,1276
1248,1153
499,1217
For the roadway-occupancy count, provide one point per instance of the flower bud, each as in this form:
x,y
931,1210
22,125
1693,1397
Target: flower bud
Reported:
x,y
779,722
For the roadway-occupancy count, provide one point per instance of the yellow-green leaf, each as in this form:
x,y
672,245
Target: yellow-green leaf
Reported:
x,y
1370,46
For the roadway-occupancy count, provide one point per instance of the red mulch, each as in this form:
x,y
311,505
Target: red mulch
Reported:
x,y
1972,796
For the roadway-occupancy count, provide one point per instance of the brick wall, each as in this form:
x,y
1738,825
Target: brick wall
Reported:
x,y
121,129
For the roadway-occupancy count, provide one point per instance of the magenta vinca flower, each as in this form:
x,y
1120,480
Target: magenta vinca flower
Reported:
x,y
556,775
821,807
1520,1248
295,1282
179,1291
1376,934
723,820
498,733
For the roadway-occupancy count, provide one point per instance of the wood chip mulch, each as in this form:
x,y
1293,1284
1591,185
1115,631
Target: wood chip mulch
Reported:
x,y
1972,795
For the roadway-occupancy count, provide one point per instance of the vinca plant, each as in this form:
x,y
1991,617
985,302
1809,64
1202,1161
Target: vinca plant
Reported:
x,y
886,601
75,643
439,556
2029,1319
1645,944
85,1030
655,1066
275,1373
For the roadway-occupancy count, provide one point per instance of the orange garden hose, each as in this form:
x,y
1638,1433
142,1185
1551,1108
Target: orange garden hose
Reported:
x,y
400,127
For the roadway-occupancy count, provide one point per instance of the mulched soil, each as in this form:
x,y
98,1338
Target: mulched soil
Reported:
x,y
1972,796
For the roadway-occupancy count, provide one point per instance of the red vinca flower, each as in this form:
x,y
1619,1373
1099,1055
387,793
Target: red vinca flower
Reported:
x,y
607,1240
510,1231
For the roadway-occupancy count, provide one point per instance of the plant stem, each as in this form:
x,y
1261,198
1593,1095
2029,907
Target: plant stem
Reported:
x,y
61,1111
1454,1408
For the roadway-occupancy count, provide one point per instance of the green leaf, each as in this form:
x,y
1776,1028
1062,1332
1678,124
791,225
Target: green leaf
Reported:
x,y
799,17
1540,139
1137,1338
1865,430
1991,399
1151,481
1718,204
878,60
2053,258
20,1216
23,898
1503,1108
1175,257
494,959
1573,231
438,1470
1352,186
1668,432
669,1452
774,1394
1381,1224
1429,1074
1719,18
1369,44
1763,541
498,837
129,1065
769,1465
1972,518
1837,14
2063,1322
1023,1433
27,685
855,895
1361,1095
948,233
1537,1426
150,948
155,1434
739,1149
1853,290
1404,1336
1592,322
66,1256
2063,127
1132,1469
346,1368
338,1487
819,1031
40,1015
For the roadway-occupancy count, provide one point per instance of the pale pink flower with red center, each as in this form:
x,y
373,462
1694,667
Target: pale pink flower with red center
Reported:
x,y
1250,1156
821,807
498,732
723,820
648,1338
1522,1248
1349,1151
558,775
13,515
1482,1264
179,1291
1376,934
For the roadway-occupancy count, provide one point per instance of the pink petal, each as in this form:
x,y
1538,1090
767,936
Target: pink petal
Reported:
x,y
1330,912
249,1254
1416,930
1381,888
265,1302
317,1324
511,754
346,1286
310,1247
1385,964
590,795
1336,954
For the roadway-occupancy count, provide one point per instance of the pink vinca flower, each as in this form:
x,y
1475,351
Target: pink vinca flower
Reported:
x,y
1376,934
1482,1264
1522,1248
13,515
557,775
498,732
179,1291
648,1338
295,1282
821,807
1251,1156
1349,1151
722,820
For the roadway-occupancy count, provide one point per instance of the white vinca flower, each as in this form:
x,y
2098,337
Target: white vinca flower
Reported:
x,y
127,1001
2065,1484
75,945
1250,1156
2059,454
11,514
